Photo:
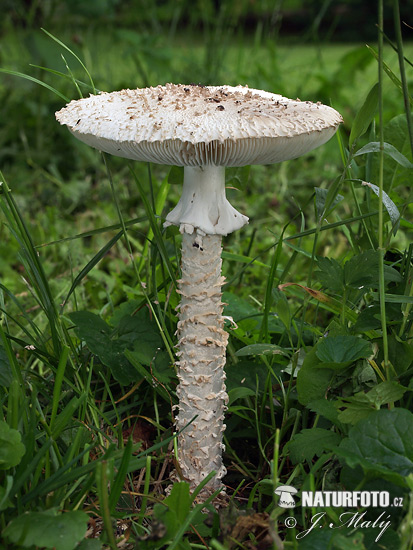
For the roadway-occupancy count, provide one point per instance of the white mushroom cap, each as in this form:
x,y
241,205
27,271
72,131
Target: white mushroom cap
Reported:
x,y
200,125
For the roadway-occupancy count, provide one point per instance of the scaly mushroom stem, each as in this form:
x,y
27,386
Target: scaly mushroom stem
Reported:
x,y
201,341
203,215
203,204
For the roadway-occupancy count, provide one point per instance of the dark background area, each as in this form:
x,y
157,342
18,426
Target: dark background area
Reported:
x,y
346,20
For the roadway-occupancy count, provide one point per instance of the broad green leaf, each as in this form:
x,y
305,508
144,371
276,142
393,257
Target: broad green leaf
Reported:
x,y
320,201
388,149
365,115
396,133
382,444
247,373
317,539
89,544
362,270
141,335
346,538
281,307
238,308
368,319
391,275
342,349
361,405
352,541
11,447
329,538
239,393
173,512
330,274
311,442
388,540
325,408
163,368
385,393
91,327
391,208
261,349
354,408
98,337
400,354
179,500
47,529
312,381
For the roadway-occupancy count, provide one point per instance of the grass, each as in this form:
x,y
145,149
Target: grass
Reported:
x,y
319,286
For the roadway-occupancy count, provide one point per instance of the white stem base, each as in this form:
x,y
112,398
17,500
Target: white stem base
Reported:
x,y
203,204
201,341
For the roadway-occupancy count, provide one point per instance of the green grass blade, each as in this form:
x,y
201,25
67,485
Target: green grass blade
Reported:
x,y
25,316
381,248
365,115
118,483
90,265
29,466
269,287
301,234
64,419
17,375
396,81
57,388
63,75
36,81
34,268
394,298
155,228
93,232
101,474
196,511
50,35
72,78
402,68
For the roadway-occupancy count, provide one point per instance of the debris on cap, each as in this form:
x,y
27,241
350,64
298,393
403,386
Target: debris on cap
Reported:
x,y
193,125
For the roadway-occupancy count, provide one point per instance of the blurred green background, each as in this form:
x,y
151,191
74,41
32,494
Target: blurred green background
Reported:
x,y
315,50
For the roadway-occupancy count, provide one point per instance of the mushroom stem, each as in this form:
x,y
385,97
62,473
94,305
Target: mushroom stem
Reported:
x,y
203,204
201,341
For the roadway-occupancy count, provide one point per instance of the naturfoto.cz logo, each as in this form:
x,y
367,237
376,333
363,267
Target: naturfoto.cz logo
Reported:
x,y
339,499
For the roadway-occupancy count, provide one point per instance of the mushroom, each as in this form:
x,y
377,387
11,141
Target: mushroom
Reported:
x,y
204,129
285,492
